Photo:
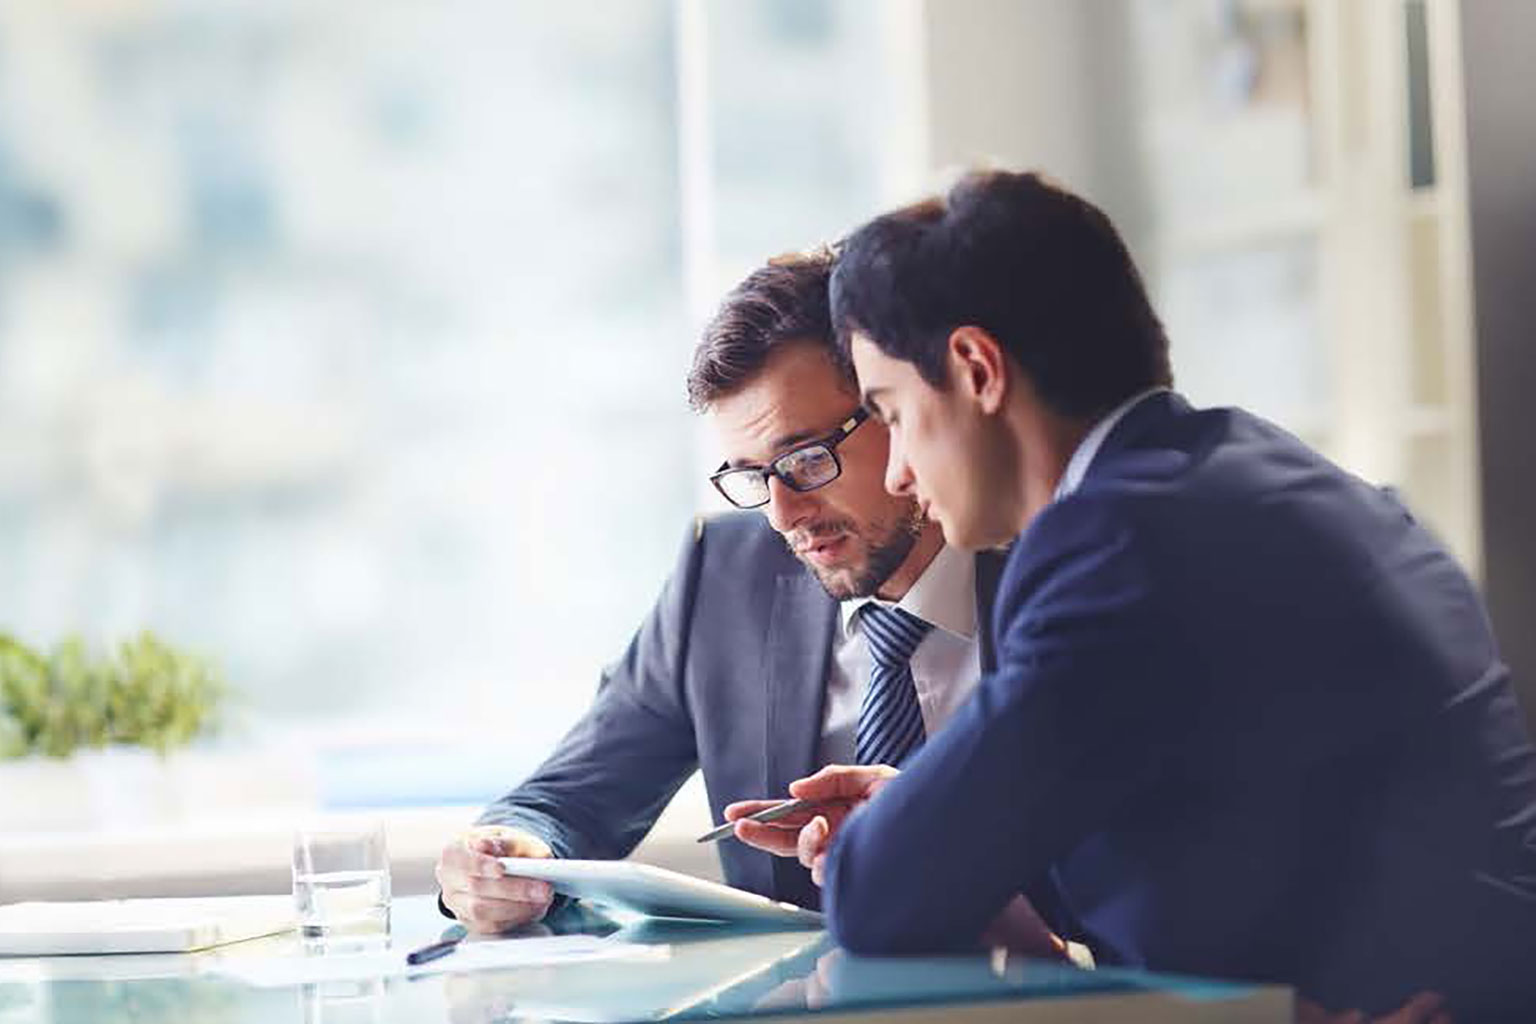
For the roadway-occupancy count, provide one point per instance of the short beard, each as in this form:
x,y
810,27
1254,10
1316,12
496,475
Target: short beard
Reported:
x,y
885,557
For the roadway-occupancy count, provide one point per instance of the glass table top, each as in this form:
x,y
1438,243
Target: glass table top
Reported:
x,y
708,971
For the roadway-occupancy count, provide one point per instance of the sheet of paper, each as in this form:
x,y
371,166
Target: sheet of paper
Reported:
x,y
484,955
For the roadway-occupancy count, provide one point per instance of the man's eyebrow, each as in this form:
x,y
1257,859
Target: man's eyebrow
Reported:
x,y
780,445
871,398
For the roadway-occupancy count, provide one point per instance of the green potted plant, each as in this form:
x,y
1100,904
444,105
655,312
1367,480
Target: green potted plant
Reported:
x,y
113,717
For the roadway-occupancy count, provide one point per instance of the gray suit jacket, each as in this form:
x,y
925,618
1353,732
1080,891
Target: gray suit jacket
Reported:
x,y
727,673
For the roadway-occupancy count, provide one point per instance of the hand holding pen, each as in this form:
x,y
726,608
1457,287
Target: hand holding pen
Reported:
x,y
804,826
787,813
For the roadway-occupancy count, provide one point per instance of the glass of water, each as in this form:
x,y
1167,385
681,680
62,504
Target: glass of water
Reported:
x,y
341,881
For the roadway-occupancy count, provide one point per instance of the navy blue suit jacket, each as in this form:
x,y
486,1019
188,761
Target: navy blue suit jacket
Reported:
x,y
1250,721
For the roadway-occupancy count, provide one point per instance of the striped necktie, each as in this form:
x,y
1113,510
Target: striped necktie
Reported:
x,y
890,721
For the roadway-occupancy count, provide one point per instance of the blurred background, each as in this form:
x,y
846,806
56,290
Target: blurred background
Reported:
x,y
342,343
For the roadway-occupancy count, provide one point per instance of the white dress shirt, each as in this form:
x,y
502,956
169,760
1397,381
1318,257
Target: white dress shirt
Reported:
x,y
945,666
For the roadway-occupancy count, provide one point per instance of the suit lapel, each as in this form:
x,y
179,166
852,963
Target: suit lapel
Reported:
x,y
800,633
1043,893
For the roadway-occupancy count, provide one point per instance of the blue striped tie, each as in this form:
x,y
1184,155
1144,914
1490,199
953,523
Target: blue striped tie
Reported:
x,y
890,720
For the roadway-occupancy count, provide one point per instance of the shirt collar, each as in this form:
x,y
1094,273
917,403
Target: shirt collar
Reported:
x,y
1082,458
945,595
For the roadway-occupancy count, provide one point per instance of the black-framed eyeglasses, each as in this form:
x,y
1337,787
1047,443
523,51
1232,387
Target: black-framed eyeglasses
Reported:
x,y
811,465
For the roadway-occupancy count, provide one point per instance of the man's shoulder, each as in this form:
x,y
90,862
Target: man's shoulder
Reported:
x,y
740,570
1185,500
743,541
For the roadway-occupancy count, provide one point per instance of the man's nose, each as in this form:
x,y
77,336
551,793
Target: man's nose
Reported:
x,y
787,507
898,473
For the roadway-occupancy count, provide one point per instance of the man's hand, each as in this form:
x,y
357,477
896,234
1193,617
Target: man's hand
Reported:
x,y
807,834
477,888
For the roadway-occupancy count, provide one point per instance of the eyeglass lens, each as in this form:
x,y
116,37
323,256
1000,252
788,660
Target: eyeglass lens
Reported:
x,y
804,469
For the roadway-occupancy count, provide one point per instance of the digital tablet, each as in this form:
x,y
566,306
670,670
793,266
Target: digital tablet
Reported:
x,y
658,892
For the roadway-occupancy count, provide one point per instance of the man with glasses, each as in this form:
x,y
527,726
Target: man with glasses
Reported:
x,y
833,628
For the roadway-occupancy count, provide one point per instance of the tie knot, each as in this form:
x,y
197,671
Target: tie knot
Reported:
x,y
892,633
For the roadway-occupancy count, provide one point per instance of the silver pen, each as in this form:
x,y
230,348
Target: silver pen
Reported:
x,y
774,813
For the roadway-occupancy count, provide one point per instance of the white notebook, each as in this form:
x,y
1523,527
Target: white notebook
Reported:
x,y
176,925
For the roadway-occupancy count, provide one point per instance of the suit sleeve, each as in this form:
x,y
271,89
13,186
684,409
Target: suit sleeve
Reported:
x,y
611,776
1072,724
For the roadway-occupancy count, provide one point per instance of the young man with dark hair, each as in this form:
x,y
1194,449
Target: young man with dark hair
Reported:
x,y
1248,716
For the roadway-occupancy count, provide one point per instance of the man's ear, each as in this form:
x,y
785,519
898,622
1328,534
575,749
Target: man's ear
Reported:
x,y
978,367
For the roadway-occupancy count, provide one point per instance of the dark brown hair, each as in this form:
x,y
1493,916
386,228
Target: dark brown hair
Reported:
x,y
1040,269
785,300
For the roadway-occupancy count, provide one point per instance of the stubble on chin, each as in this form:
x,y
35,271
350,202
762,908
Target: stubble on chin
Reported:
x,y
875,563
840,584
